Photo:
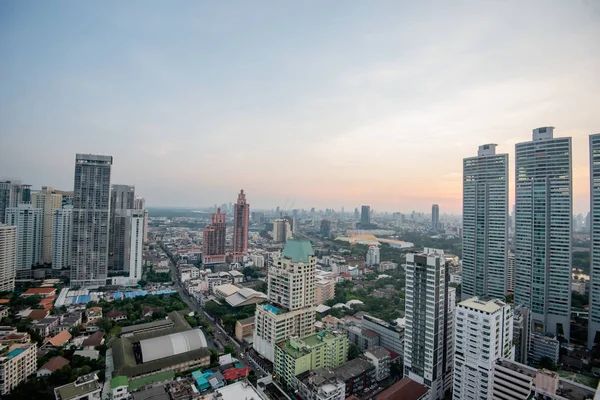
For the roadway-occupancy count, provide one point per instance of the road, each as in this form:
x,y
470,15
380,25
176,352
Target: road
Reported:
x,y
222,338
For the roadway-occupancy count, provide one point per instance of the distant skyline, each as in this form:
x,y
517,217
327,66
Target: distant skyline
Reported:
x,y
331,105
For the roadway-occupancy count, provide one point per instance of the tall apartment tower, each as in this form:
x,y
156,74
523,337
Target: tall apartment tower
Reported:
x,y
484,333
485,223
290,311
122,199
241,216
62,234
48,200
8,257
136,245
428,337
91,217
213,240
365,216
12,193
435,217
30,224
139,203
543,230
594,224
282,231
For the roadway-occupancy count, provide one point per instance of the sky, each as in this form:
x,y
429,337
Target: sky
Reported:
x,y
328,104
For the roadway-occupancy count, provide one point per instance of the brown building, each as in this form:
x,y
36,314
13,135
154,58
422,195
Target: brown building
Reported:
x,y
241,217
244,328
213,240
405,389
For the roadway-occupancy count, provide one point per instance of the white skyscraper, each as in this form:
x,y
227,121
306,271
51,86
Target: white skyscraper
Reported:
x,y
543,230
428,333
8,257
62,235
594,218
48,201
291,308
89,251
485,223
29,222
373,256
484,333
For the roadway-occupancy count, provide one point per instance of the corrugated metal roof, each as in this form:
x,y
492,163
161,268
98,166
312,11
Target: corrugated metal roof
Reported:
x,y
173,344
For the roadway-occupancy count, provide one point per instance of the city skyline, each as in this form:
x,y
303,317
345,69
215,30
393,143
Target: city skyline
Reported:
x,y
237,88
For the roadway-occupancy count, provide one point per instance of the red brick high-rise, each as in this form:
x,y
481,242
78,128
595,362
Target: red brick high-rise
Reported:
x,y
213,240
240,227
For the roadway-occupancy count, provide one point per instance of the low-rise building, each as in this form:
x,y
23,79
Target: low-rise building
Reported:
x,y
390,336
95,339
324,290
53,365
381,359
86,387
358,375
223,291
17,363
514,381
46,327
244,329
542,346
245,297
116,315
386,266
43,292
57,341
363,338
320,350
93,314
148,327
119,385
320,384
405,389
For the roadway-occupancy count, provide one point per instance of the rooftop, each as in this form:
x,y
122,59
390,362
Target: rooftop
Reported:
x,y
246,321
155,393
119,381
55,363
83,385
405,389
39,291
352,369
172,344
227,289
156,324
488,306
298,250
239,390
378,351
135,384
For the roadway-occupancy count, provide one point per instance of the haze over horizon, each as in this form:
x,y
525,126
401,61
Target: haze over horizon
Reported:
x,y
327,104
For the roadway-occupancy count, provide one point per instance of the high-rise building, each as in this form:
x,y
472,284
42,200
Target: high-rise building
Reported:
x,y
91,217
62,234
356,214
122,198
139,203
543,230
8,257
213,240
373,256
325,229
67,197
435,217
594,228
30,223
48,200
241,216
290,311
282,231
484,333
510,273
365,216
135,243
485,223
521,325
13,193
428,337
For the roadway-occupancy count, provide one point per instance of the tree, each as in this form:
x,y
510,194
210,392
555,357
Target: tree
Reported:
x,y
142,283
229,349
105,324
353,351
547,363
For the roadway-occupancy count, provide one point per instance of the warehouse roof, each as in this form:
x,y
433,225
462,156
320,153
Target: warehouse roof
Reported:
x,y
173,344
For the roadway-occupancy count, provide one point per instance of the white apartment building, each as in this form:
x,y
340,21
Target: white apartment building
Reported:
x,y
8,257
594,225
17,363
324,290
426,349
291,294
29,222
484,333
373,256
49,201
62,232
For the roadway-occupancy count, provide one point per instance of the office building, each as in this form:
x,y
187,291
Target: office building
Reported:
x,y
543,230
290,311
484,333
427,357
48,200
8,257
594,229
390,336
295,356
365,216
521,322
373,256
282,230
510,273
17,363
122,198
91,218
29,222
435,217
485,223
241,217
213,240
515,381
325,229
62,234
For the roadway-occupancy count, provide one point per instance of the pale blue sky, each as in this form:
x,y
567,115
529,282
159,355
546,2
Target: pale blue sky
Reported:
x,y
331,104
